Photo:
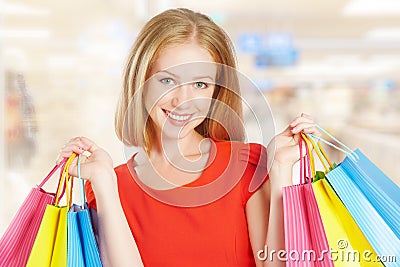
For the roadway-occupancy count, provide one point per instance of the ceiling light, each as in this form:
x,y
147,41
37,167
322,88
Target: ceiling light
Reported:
x,y
329,70
25,33
384,34
18,9
372,8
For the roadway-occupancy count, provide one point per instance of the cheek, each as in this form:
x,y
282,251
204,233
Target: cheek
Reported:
x,y
207,98
152,96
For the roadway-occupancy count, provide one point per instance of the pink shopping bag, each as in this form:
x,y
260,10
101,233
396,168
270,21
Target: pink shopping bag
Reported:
x,y
305,240
17,241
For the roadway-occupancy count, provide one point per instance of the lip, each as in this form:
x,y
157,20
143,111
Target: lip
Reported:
x,y
175,122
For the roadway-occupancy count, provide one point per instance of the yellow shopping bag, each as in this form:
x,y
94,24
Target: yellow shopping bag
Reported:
x,y
349,246
50,247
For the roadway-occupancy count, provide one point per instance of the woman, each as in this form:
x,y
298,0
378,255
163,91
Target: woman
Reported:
x,y
196,195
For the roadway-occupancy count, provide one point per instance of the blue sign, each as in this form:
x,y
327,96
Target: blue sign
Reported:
x,y
272,49
277,58
277,50
250,42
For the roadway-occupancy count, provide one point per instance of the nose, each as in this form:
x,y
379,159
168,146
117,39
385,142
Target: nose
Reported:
x,y
181,97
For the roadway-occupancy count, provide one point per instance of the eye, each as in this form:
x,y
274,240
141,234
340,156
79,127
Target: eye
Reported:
x,y
167,81
200,85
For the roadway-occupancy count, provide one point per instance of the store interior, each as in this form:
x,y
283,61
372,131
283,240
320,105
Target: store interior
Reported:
x,y
61,65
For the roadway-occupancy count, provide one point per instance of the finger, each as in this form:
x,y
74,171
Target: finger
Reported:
x,y
312,130
73,148
84,170
305,115
303,125
73,167
62,156
287,131
89,144
79,142
68,150
301,119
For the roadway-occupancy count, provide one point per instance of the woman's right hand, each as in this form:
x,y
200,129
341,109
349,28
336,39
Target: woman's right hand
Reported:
x,y
92,165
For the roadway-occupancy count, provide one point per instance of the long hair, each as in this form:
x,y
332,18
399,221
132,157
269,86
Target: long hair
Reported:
x,y
171,27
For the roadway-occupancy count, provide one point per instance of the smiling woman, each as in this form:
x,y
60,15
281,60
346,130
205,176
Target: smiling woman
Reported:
x,y
196,194
173,38
178,95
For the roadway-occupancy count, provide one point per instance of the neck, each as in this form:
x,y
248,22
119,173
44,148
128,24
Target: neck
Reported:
x,y
175,148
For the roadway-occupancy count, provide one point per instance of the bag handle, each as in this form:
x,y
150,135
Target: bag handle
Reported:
x,y
310,155
345,148
55,168
63,182
70,185
323,157
82,183
304,162
61,165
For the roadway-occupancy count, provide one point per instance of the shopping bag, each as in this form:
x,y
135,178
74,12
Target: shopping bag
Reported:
x,y
50,247
305,239
17,241
365,202
380,190
82,247
347,242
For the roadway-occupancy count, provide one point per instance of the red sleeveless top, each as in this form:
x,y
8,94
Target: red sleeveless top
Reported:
x,y
201,224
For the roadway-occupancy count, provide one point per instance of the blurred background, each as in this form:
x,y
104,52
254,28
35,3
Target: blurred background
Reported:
x,y
61,64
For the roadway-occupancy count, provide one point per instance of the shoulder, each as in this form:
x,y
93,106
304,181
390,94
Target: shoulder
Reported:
x,y
122,169
251,153
250,159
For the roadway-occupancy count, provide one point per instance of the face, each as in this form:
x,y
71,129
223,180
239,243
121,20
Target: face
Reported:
x,y
178,94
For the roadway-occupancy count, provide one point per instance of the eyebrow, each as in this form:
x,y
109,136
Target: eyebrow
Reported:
x,y
194,78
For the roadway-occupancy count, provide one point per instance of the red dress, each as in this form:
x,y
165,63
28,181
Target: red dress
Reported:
x,y
202,223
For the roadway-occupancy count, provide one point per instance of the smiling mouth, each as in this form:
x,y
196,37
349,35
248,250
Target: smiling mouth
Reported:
x,y
177,117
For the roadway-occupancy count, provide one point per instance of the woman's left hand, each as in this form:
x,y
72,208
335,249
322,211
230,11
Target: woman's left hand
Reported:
x,y
284,148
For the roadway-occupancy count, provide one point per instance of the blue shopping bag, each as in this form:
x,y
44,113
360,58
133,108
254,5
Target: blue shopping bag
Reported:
x,y
380,190
371,198
82,249
372,224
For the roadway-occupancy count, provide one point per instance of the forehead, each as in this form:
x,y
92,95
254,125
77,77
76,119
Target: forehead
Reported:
x,y
187,59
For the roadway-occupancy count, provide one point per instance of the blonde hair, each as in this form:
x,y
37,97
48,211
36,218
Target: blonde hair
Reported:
x,y
177,26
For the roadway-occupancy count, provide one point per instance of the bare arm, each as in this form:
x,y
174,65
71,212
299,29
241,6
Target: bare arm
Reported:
x,y
264,213
116,243
258,213
266,230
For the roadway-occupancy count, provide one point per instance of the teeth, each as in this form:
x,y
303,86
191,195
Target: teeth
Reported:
x,y
178,118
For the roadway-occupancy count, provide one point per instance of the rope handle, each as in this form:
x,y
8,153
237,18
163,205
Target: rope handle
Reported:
x,y
55,168
64,181
323,157
82,183
345,149
71,183
305,167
